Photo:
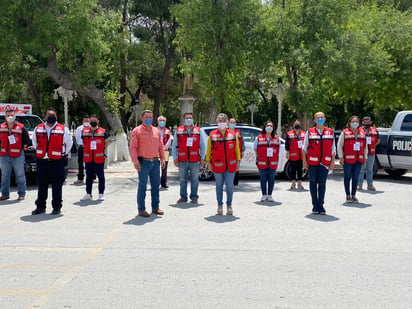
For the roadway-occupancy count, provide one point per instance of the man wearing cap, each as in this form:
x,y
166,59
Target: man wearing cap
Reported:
x,y
146,152
372,139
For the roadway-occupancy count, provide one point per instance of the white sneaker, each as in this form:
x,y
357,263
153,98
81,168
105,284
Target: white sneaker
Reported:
x,y
263,198
101,197
86,197
269,198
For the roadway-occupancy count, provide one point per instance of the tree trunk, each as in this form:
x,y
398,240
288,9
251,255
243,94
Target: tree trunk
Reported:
x,y
292,77
93,93
98,97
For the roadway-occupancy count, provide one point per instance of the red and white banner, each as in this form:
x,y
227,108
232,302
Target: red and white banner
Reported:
x,y
18,108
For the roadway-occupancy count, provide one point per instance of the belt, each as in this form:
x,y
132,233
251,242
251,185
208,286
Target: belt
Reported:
x,y
148,159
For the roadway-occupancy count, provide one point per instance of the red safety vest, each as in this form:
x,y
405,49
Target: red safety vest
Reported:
x,y
373,134
223,151
53,146
185,152
166,135
263,161
7,149
295,153
89,137
320,147
352,156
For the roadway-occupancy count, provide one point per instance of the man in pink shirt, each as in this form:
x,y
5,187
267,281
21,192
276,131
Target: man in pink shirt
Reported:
x,y
146,152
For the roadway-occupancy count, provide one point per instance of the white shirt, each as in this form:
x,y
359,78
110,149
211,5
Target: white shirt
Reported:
x,y
79,140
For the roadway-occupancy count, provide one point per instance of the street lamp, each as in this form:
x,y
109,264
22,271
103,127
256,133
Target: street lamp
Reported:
x,y
280,92
253,109
67,96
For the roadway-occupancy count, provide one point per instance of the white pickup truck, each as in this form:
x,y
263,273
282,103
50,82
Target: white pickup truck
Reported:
x,y
393,153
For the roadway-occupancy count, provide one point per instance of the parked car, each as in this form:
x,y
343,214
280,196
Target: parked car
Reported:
x,y
248,163
393,153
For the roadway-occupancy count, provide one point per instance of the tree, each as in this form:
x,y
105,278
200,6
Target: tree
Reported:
x,y
72,44
215,34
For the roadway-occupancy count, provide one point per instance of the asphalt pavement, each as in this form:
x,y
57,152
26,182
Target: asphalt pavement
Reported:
x,y
98,254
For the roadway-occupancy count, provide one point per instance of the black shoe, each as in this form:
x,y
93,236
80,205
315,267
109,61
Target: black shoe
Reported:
x,y
56,212
165,186
38,211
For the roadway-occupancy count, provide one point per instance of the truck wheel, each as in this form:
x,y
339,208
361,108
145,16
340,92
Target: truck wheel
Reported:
x,y
396,173
376,167
205,173
288,171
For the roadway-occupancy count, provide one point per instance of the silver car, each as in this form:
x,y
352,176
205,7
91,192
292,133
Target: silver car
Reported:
x,y
248,163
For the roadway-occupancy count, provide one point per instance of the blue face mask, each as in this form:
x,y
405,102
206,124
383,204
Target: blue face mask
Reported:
x,y
232,125
320,121
162,123
269,129
148,121
188,122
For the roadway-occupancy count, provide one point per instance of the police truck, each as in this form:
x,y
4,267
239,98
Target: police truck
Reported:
x,y
393,153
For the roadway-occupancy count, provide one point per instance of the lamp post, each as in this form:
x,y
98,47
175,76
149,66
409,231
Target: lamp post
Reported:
x,y
253,109
280,92
67,96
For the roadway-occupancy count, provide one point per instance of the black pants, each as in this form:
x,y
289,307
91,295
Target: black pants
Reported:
x,y
297,168
49,172
80,152
163,179
93,169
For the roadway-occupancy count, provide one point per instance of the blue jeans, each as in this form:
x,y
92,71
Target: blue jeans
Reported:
x,y
184,168
227,179
148,169
351,172
93,170
267,176
369,171
318,174
17,164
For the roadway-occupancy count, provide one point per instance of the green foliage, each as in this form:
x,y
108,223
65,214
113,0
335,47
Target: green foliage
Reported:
x,y
215,34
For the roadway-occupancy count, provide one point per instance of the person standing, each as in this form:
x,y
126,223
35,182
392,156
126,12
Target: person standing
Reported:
x,y
14,138
267,156
95,140
187,149
352,152
223,158
79,143
53,143
319,152
372,139
232,126
293,146
146,152
167,138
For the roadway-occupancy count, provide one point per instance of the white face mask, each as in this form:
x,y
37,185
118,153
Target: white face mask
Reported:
x,y
10,118
86,124
222,125
354,124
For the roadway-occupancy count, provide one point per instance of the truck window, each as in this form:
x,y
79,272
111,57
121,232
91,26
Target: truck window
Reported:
x,y
407,123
